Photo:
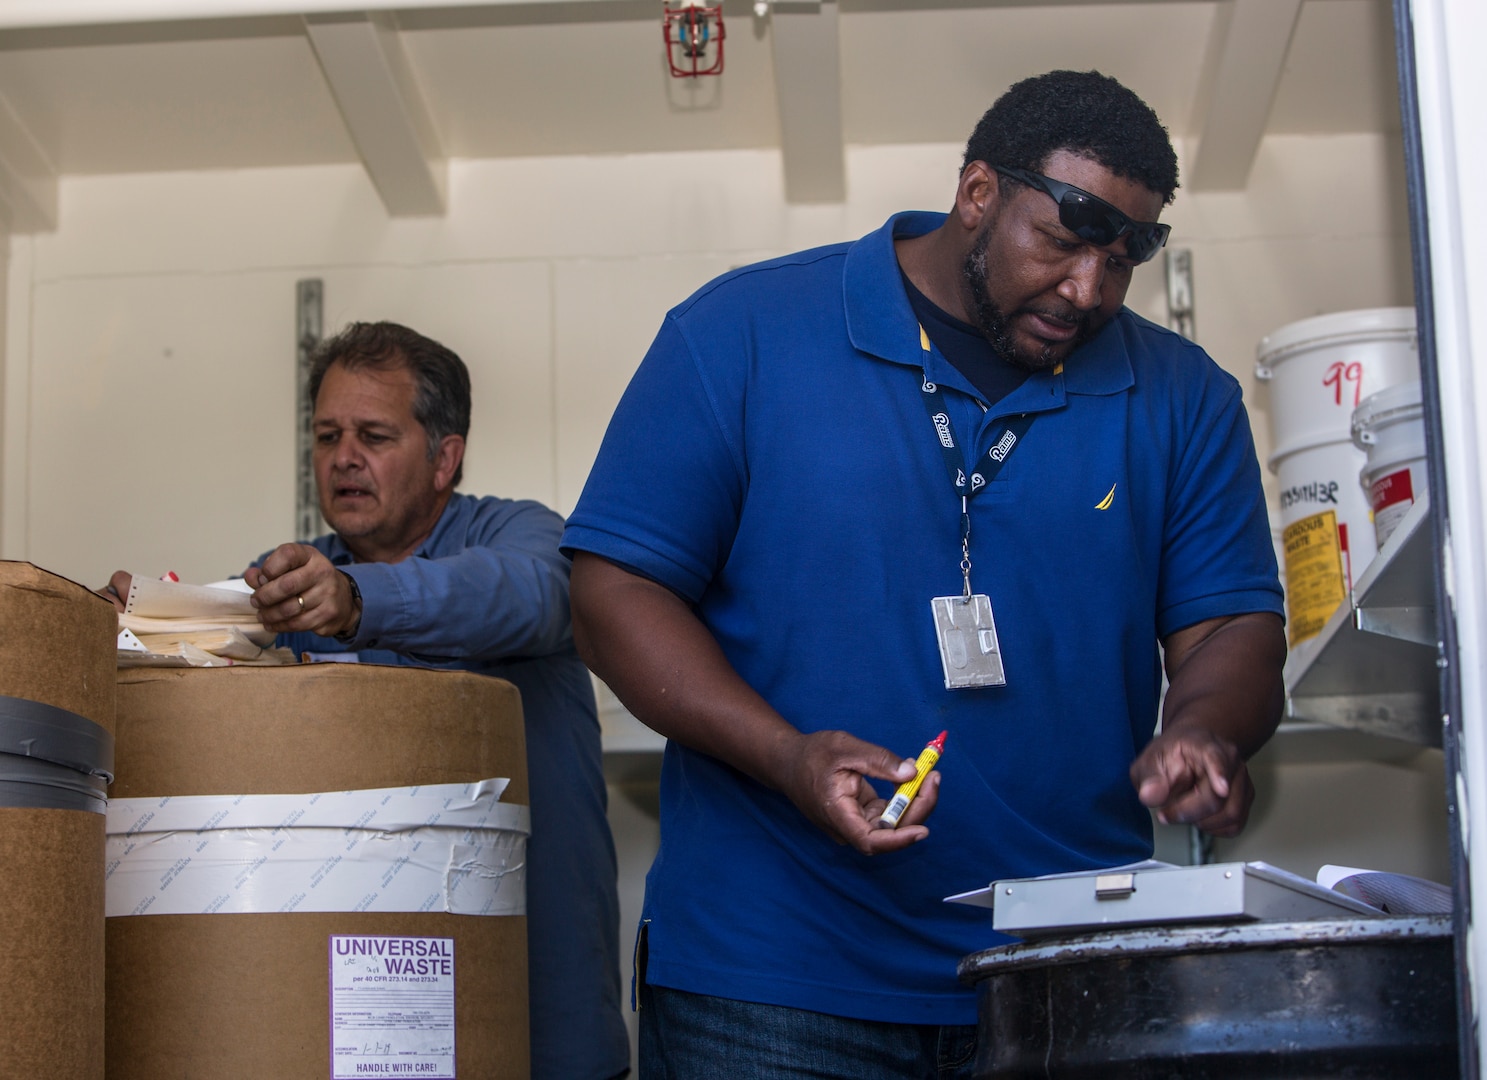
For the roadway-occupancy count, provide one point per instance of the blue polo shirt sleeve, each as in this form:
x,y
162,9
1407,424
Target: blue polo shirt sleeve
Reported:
x,y
1217,557
503,597
664,496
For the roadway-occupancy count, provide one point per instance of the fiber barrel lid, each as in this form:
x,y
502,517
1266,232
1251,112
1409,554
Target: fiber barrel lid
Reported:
x,y
314,727
57,643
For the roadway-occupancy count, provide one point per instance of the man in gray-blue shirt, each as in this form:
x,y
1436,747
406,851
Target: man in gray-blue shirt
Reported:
x,y
416,573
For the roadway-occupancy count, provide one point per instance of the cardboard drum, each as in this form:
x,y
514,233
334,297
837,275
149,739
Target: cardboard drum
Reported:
x,y
56,749
317,872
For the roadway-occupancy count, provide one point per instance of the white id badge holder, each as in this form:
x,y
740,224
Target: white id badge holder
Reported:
x,y
968,642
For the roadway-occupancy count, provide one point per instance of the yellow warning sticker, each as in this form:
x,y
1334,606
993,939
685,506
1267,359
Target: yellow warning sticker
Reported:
x,y
1314,582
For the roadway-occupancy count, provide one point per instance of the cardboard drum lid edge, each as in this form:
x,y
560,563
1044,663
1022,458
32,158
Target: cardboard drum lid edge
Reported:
x,y
310,728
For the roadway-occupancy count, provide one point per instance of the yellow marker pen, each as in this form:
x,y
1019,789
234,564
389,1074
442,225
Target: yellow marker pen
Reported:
x,y
909,788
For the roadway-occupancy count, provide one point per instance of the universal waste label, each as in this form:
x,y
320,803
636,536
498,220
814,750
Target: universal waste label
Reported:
x,y
391,1007
1314,581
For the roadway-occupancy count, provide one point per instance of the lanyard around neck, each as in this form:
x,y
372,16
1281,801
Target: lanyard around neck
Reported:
x,y
1013,430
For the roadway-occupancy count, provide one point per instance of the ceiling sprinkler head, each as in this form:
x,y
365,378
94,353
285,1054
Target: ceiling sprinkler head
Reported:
x,y
694,39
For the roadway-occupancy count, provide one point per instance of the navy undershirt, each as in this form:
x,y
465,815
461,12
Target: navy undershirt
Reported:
x,y
965,347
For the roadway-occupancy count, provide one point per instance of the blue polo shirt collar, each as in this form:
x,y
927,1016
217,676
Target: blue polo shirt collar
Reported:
x,y
880,322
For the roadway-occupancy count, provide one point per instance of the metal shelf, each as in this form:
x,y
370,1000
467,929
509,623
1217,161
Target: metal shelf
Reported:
x,y
1306,742
1373,668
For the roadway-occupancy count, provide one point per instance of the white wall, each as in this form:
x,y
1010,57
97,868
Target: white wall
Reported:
x,y
1378,814
149,360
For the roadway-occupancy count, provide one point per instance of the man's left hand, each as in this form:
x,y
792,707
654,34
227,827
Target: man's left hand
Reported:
x,y
1224,699
297,588
1192,777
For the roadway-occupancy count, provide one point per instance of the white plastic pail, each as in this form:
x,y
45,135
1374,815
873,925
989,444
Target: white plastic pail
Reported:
x,y
1390,428
1319,371
1326,536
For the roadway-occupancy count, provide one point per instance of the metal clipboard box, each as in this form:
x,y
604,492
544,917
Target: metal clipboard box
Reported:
x,y
1155,894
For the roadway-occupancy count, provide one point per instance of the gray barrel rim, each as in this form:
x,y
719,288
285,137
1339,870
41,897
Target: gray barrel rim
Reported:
x,y
1189,939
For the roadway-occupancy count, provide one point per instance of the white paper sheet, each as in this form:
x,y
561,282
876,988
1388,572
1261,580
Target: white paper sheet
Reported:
x,y
152,598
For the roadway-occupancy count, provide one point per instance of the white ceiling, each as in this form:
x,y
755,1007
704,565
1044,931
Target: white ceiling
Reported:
x,y
403,90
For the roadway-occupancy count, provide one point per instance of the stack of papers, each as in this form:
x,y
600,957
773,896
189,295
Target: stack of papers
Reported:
x,y
168,624
1398,894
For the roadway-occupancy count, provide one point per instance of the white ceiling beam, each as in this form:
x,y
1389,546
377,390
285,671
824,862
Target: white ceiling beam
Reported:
x,y
807,79
367,68
28,182
15,14
1246,58
18,14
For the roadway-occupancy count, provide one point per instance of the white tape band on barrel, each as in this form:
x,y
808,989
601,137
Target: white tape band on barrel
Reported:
x,y
445,847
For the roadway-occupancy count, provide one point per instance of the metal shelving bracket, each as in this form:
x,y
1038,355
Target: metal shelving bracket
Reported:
x,y
1373,666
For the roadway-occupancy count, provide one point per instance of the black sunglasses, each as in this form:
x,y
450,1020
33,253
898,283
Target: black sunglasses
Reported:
x,y
1092,219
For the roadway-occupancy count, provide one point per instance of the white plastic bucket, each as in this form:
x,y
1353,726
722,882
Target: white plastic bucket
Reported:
x,y
1319,370
1326,536
1390,428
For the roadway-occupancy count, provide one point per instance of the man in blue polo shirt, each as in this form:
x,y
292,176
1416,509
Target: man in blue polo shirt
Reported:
x,y
936,479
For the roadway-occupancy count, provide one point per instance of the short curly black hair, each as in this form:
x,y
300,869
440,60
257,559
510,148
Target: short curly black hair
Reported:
x,y
1084,112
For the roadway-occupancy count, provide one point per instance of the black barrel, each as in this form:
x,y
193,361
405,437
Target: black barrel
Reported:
x,y
1363,998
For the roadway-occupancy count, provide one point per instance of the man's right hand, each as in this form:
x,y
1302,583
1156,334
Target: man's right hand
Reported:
x,y
117,589
653,651
825,775
298,588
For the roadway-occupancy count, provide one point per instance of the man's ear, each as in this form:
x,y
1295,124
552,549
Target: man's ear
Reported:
x,y
977,196
447,461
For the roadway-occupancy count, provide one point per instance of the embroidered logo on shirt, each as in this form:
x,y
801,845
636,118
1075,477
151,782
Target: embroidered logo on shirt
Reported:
x,y
1104,504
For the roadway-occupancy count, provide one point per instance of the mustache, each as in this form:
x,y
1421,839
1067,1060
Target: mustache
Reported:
x,y
1068,318
1075,320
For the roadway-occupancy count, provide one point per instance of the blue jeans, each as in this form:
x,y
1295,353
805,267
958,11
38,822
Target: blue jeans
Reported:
x,y
695,1037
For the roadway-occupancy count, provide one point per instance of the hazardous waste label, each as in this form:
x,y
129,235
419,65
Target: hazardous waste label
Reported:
x,y
1314,579
392,1007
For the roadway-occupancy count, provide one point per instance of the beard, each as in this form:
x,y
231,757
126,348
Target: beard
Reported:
x,y
993,322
